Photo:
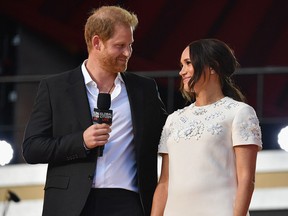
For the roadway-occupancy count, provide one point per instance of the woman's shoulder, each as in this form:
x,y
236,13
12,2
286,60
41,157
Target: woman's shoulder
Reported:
x,y
239,108
178,112
232,103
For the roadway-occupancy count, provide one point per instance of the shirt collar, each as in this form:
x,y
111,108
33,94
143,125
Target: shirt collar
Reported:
x,y
88,79
86,75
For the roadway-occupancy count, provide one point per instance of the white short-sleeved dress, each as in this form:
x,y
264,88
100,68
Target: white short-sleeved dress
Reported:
x,y
199,142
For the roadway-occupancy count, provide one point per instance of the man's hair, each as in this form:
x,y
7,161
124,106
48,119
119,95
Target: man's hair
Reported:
x,y
102,21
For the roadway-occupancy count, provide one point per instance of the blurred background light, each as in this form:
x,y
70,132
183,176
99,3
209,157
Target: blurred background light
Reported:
x,y
6,153
283,138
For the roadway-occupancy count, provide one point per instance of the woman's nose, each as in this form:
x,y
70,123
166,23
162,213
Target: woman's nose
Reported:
x,y
182,71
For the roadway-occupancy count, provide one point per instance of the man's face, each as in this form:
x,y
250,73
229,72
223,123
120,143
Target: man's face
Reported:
x,y
117,50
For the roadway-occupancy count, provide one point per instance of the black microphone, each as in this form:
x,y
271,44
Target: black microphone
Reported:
x,y
10,196
102,114
13,196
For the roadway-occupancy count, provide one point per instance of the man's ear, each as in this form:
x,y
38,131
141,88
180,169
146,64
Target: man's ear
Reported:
x,y
96,42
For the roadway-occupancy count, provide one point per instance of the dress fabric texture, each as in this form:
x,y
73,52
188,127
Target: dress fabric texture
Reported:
x,y
199,142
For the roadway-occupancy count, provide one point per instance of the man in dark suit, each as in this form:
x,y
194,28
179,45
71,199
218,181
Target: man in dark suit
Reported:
x,y
60,131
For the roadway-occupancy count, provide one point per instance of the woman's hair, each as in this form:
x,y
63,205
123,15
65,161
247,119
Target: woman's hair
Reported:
x,y
103,20
219,56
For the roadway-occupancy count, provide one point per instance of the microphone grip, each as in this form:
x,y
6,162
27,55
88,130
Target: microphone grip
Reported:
x,y
100,151
99,117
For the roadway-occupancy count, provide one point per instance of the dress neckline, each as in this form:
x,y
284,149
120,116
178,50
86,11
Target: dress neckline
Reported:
x,y
193,105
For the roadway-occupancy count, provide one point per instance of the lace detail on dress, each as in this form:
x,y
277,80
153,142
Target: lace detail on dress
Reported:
x,y
192,122
250,128
193,129
215,129
230,105
199,111
185,128
215,115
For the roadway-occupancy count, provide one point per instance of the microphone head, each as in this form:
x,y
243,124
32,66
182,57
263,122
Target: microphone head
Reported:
x,y
13,196
104,101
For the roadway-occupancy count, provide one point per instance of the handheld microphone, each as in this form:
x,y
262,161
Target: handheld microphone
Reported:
x,y
102,114
10,196
13,196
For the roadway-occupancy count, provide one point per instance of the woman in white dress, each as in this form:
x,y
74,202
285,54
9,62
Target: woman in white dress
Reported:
x,y
208,148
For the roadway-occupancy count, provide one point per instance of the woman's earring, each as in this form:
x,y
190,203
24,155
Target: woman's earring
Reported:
x,y
211,70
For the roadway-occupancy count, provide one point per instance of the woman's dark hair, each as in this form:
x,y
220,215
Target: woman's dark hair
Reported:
x,y
219,56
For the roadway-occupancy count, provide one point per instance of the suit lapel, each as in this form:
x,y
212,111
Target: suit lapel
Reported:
x,y
77,92
135,94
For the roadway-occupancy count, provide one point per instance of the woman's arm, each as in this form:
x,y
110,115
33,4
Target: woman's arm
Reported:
x,y
246,156
161,192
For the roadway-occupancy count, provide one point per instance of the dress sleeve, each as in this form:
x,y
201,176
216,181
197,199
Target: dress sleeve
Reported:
x,y
245,128
166,131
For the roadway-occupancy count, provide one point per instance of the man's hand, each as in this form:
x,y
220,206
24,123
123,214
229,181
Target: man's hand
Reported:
x,y
96,135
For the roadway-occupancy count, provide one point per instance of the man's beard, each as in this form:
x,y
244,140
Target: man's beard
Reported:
x,y
114,64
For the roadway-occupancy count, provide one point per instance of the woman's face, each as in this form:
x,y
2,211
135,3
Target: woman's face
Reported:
x,y
187,69
187,72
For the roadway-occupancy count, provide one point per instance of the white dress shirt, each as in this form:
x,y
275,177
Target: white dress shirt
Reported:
x,y
117,167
